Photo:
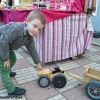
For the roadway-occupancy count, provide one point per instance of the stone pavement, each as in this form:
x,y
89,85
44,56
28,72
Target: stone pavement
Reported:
x,y
27,76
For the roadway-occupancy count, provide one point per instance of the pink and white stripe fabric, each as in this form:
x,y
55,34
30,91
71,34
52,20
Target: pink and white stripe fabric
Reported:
x,y
64,38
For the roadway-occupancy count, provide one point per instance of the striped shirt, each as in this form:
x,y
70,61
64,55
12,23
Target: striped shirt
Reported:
x,y
13,36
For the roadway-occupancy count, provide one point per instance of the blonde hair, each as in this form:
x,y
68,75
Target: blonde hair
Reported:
x,y
36,14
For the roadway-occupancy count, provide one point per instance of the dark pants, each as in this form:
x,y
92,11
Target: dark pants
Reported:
x,y
10,2
5,76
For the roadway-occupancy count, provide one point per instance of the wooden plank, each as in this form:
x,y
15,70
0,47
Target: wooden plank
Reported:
x,y
87,68
93,76
43,72
76,76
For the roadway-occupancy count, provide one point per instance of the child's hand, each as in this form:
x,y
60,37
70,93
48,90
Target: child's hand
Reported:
x,y
7,64
39,66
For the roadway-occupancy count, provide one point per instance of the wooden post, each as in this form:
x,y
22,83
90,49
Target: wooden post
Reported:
x,y
25,1
94,5
86,5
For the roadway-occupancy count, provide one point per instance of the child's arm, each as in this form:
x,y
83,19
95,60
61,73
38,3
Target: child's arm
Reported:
x,y
33,52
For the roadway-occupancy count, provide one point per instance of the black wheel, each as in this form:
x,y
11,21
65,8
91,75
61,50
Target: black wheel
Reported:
x,y
43,81
93,90
59,81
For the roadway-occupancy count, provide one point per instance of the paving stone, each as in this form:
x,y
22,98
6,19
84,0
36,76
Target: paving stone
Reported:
x,y
21,49
93,65
31,61
21,81
63,89
30,79
82,61
83,97
21,63
62,61
34,92
64,99
36,77
3,94
96,47
19,75
25,75
24,70
3,91
29,76
70,86
68,65
19,78
92,56
58,97
78,83
97,53
1,87
68,82
50,99
25,54
93,49
75,93
18,55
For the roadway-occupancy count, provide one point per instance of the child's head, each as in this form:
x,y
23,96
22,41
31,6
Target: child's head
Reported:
x,y
35,22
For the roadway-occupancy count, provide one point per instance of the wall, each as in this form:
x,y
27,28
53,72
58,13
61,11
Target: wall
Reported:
x,y
96,19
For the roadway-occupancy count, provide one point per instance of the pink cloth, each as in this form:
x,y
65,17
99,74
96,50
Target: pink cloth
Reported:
x,y
7,16
78,5
4,16
52,15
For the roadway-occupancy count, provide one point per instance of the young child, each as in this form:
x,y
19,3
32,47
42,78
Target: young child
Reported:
x,y
13,36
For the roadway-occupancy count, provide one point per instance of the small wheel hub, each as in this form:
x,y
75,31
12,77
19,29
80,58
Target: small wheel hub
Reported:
x,y
59,82
95,91
44,82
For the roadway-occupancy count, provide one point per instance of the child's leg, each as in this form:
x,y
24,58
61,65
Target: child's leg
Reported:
x,y
12,59
6,80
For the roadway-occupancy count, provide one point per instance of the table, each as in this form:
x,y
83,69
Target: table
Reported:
x,y
64,38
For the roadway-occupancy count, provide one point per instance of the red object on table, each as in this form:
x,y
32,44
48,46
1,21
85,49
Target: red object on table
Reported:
x,y
7,16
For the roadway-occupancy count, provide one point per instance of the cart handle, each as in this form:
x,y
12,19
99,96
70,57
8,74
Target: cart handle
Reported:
x,y
76,76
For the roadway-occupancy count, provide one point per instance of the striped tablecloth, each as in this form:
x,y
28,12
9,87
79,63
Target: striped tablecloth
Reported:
x,y
64,38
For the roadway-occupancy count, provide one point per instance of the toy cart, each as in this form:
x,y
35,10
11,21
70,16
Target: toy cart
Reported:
x,y
56,76
92,78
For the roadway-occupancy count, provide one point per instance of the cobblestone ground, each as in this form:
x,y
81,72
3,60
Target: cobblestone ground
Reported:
x,y
27,77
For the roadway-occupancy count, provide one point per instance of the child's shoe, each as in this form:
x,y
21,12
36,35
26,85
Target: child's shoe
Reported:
x,y
12,74
18,91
